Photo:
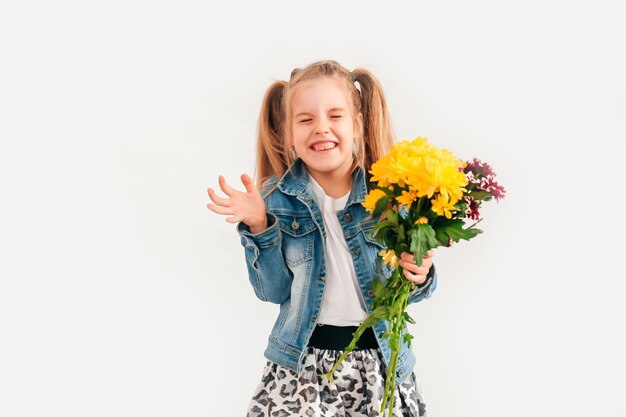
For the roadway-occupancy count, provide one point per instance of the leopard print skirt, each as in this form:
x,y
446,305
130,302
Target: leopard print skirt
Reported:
x,y
356,391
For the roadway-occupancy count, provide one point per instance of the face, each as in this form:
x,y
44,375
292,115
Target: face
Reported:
x,y
323,127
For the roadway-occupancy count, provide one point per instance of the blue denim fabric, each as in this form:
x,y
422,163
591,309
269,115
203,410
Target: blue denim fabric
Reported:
x,y
286,263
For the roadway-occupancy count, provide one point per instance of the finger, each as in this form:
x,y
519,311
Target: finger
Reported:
x,y
407,256
427,263
234,219
407,266
220,210
218,200
415,278
406,274
248,183
228,190
409,259
413,267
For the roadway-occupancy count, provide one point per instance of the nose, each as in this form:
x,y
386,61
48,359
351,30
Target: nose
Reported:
x,y
322,126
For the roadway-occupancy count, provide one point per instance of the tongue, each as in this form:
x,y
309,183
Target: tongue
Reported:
x,y
324,147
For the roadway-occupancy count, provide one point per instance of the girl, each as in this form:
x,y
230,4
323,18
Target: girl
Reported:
x,y
308,248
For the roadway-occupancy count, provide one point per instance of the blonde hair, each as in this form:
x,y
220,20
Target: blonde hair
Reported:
x,y
373,136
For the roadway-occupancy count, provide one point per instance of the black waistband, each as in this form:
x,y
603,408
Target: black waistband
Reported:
x,y
326,336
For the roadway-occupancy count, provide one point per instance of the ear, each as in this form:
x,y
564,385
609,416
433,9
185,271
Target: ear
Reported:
x,y
358,125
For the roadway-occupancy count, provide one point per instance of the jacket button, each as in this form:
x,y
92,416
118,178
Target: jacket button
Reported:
x,y
348,217
400,373
356,251
370,293
295,225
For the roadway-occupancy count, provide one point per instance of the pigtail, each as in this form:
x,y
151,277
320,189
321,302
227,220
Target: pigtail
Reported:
x,y
271,158
377,132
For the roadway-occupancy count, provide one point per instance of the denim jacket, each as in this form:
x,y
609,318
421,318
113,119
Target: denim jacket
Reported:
x,y
286,263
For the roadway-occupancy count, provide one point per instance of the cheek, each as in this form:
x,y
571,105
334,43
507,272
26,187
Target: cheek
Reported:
x,y
348,130
298,136
299,146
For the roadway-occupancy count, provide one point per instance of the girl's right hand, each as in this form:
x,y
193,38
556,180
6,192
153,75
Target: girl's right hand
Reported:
x,y
247,207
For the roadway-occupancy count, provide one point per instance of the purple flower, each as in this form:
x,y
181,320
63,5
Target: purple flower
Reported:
x,y
481,176
490,185
479,168
472,208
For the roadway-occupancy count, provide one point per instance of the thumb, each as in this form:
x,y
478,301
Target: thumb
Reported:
x,y
248,183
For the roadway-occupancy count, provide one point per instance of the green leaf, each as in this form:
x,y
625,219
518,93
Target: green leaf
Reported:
x,y
390,194
378,314
381,204
378,287
453,229
379,226
402,247
408,318
401,234
479,194
393,341
422,240
407,339
394,310
392,216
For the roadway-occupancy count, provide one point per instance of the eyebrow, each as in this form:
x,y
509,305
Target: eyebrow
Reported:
x,y
304,113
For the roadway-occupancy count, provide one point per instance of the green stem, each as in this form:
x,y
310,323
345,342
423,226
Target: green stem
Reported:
x,y
396,326
479,220
392,309
390,375
397,274
348,349
419,206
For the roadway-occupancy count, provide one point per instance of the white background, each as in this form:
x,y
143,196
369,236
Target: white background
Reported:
x,y
121,294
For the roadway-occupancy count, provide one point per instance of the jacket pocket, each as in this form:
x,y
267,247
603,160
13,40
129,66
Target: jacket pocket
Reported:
x,y
374,248
298,238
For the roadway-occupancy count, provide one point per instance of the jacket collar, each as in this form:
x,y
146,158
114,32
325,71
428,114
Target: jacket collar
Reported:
x,y
295,181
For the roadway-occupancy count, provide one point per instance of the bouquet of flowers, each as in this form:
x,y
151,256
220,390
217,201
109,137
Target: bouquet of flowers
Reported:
x,y
423,199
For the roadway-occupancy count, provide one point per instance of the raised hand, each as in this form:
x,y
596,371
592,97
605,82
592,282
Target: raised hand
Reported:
x,y
247,207
412,272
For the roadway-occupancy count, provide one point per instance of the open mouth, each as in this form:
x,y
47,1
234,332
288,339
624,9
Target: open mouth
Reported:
x,y
324,146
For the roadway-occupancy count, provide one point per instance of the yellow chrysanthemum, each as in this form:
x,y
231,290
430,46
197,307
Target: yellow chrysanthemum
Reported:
x,y
442,206
421,220
407,197
389,257
424,169
391,172
371,198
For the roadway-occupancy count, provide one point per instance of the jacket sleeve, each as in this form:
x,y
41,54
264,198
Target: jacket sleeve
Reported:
x,y
267,270
425,290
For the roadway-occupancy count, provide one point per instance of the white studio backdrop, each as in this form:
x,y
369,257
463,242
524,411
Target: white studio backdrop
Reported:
x,y
121,294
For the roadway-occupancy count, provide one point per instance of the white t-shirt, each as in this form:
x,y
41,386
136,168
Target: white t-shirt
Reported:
x,y
342,304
